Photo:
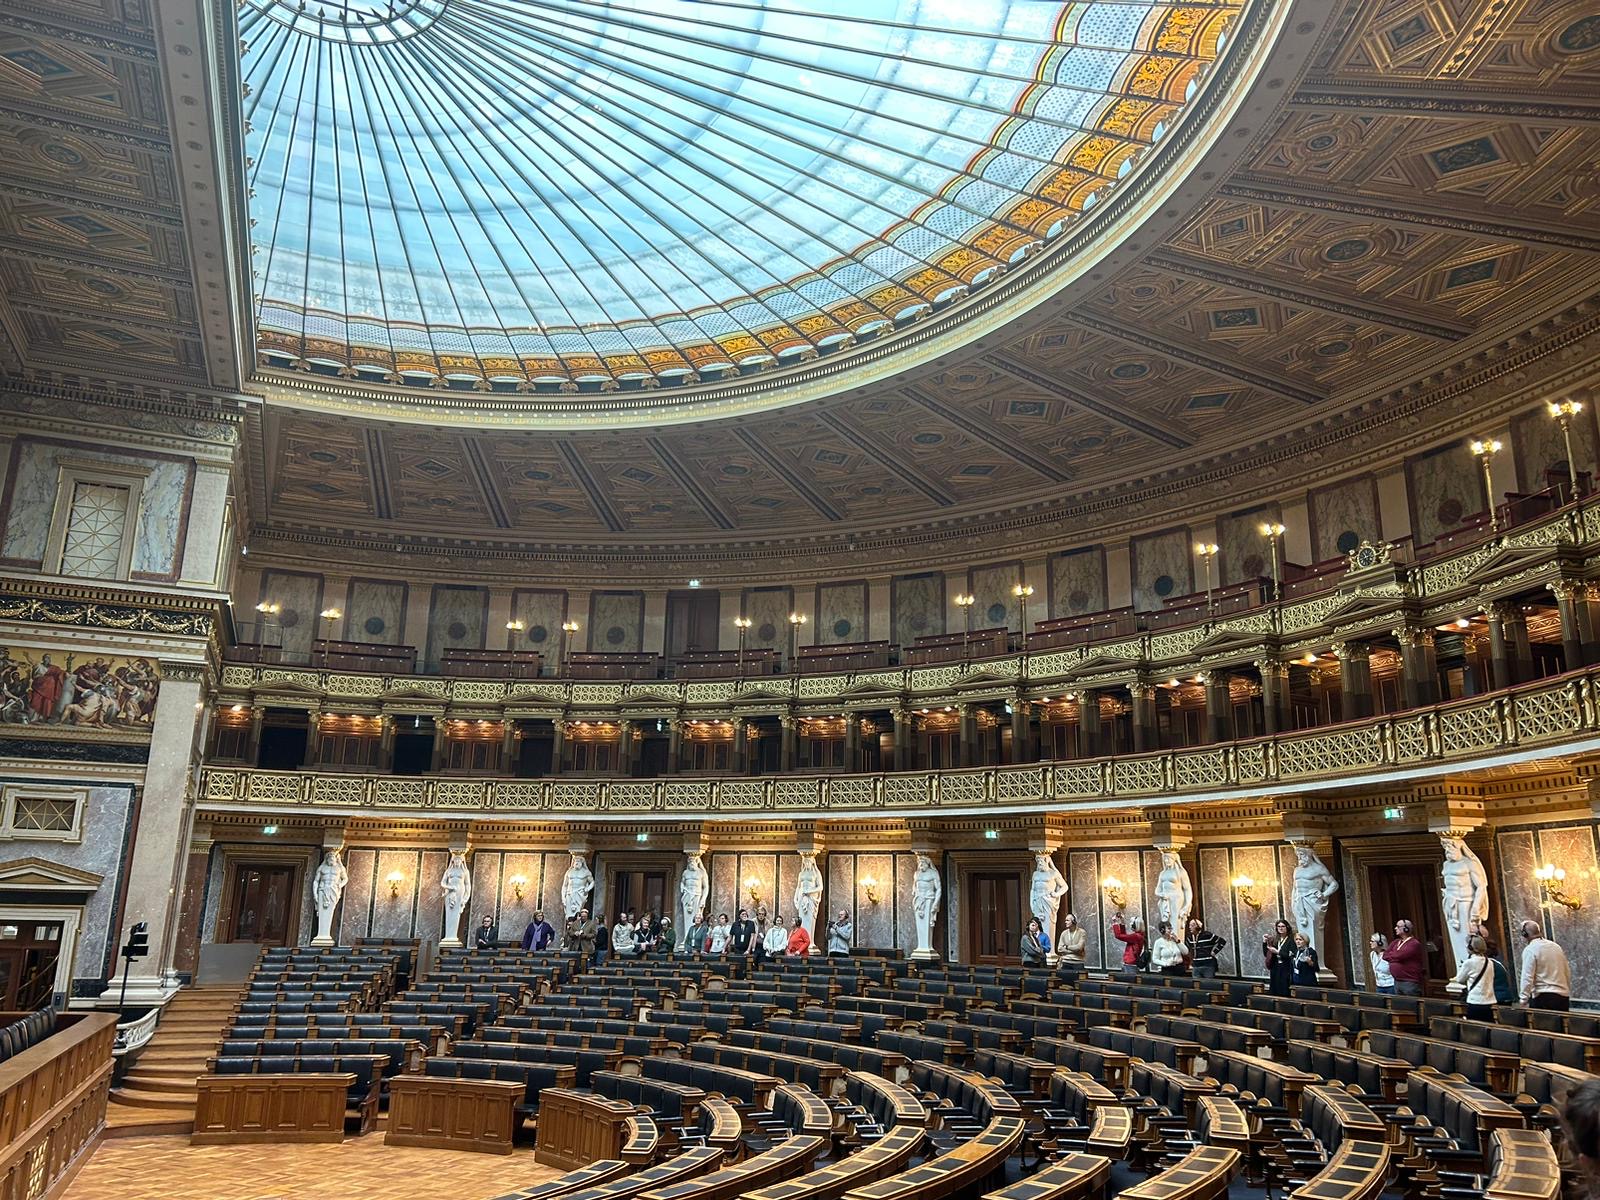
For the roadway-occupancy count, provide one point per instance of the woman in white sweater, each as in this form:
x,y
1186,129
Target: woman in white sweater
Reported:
x,y
777,938
1476,976
1382,977
717,939
1168,955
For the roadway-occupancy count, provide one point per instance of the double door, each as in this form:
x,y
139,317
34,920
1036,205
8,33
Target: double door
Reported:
x,y
29,951
995,917
263,904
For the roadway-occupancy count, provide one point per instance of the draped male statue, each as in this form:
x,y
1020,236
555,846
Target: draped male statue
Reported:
x,y
326,888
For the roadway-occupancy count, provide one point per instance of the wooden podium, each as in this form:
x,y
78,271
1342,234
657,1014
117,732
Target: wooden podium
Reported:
x,y
453,1114
578,1128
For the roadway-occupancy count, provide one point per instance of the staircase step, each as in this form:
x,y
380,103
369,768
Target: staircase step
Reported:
x,y
165,1070
140,1098
156,1056
139,1081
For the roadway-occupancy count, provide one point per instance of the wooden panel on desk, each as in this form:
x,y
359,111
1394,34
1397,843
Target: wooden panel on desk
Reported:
x,y
247,1109
441,1113
578,1128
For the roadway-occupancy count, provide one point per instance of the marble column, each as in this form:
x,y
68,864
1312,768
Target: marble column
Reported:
x,y
1089,741
852,742
741,746
1511,660
624,748
153,869
1580,622
508,746
436,759
967,735
1219,707
1022,750
787,750
674,745
186,952
1355,679
386,744
313,738
1275,714
905,740
252,754
1419,665
560,748
1146,729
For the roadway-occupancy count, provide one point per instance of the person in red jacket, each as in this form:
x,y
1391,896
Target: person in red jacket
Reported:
x,y
1408,960
1131,936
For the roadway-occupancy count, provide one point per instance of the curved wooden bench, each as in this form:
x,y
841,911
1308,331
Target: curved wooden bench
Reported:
x,y
1356,1171
807,1112
722,1126
1075,1177
643,1140
794,1156
1223,1123
888,1154
688,1165
604,1171
1522,1166
1279,1084
1202,1174
892,1104
966,1166
1078,1099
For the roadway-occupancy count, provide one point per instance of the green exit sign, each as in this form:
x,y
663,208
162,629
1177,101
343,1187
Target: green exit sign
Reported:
x,y
1393,814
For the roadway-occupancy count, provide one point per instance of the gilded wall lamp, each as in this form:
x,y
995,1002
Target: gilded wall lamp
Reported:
x,y
1207,552
394,879
753,886
964,601
1116,891
1486,449
519,884
1245,886
1563,411
796,619
869,886
1551,893
1273,532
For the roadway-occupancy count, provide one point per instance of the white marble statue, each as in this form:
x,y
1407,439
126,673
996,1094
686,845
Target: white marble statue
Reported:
x,y
326,888
1464,888
808,896
1314,886
926,892
1174,892
457,888
576,885
1049,886
694,889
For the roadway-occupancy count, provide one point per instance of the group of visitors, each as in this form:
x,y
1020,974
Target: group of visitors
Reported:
x,y
763,937
1193,954
1400,967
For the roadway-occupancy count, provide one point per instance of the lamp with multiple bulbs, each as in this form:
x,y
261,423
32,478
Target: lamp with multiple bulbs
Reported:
x,y
869,888
1116,891
1207,553
1551,893
394,879
1245,886
1485,449
519,884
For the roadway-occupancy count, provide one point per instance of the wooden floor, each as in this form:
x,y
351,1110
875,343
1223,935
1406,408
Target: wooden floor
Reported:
x,y
145,1168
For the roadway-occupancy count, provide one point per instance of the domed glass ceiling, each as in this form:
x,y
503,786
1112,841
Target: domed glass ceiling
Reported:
x,y
547,192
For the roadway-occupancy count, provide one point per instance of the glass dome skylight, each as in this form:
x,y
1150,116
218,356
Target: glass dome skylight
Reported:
x,y
635,192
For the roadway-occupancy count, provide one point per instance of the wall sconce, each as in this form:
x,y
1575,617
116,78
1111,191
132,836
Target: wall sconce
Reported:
x,y
753,886
1116,891
394,880
1245,886
869,885
518,884
1550,878
267,608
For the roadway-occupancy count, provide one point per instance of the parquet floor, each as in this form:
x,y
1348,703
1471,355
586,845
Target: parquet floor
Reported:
x,y
168,1168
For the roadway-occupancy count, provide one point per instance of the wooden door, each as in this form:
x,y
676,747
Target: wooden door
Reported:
x,y
29,950
263,903
692,618
641,891
994,917
1411,890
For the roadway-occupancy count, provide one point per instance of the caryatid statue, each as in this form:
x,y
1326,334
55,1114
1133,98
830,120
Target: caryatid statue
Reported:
x,y
694,889
1464,889
926,891
576,885
1174,892
1049,886
457,888
1312,893
326,888
808,895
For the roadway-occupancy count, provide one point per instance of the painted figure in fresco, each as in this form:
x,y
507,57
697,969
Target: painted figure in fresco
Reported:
x,y
49,681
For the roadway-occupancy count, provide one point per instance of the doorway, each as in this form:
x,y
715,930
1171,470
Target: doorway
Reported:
x,y
1411,890
642,890
29,952
994,917
265,903
693,619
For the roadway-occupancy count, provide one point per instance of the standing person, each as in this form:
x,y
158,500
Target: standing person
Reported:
x,y
1476,978
1033,950
1278,949
488,937
1168,955
1131,936
1072,947
694,942
646,935
799,940
759,944
1407,959
742,935
539,933
623,940
840,932
776,940
1546,974
602,939
1204,946
1305,962
666,941
717,938
1382,978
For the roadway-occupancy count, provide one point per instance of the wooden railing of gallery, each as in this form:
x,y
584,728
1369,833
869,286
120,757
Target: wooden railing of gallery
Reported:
x,y
1559,711
53,1103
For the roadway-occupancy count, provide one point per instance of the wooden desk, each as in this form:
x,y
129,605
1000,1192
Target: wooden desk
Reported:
x,y
441,1113
233,1110
578,1128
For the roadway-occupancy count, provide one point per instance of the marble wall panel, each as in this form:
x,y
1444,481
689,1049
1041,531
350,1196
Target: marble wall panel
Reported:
x,y
308,906
724,886
841,613
430,903
355,915
541,613
875,923
1128,866
488,869
1519,857
30,497
213,901
1252,925
1538,447
788,880
917,602
375,612
552,868
1083,875
299,597
905,918
458,619
768,610
1078,582
1245,552
616,622
1163,566
1343,516
516,915
1572,847
764,869
1213,882
1355,935
839,874
396,916
1446,488
995,606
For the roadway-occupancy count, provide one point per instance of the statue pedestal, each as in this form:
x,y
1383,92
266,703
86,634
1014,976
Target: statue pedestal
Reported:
x,y
322,940
924,954
1326,977
450,943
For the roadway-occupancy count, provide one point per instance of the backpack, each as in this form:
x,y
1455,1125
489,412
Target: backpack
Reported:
x,y
1504,993
1142,963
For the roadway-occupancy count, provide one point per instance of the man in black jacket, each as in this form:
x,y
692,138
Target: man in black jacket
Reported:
x,y
743,934
1203,948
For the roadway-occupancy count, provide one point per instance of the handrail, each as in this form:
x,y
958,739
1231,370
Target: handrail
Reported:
x,y
1560,711
133,1035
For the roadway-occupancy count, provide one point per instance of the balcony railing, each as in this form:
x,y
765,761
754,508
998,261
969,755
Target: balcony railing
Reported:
x,y
1550,714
